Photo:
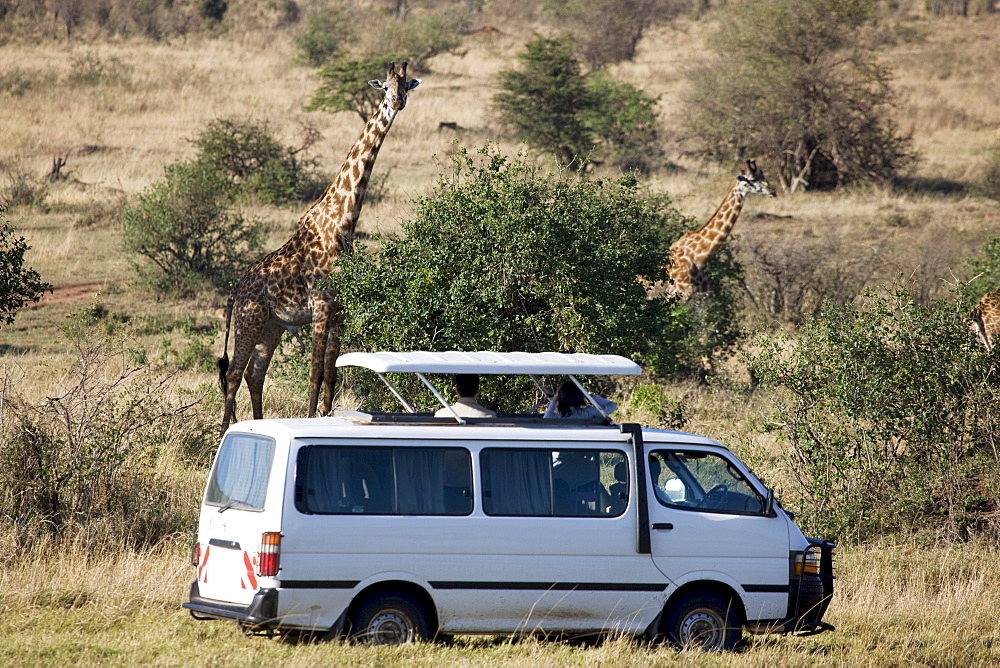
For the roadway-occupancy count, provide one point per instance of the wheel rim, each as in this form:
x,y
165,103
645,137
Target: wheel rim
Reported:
x,y
703,629
389,628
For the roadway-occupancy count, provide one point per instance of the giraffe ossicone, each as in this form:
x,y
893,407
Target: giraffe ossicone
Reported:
x,y
691,252
280,292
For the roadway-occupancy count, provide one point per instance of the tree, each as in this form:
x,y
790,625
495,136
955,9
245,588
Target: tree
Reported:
x,y
557,109
504,257
183,229
329,29
543,99
603,37
345,85
18,284
792,82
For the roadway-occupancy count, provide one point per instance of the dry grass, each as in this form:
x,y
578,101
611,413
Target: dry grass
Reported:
x,y
895,605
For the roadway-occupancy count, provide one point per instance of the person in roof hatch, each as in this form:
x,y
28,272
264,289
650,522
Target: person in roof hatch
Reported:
x,y
467,404
569,402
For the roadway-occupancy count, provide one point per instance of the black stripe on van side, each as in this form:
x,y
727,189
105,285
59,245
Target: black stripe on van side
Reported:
x,y
319,584
765,589
552,586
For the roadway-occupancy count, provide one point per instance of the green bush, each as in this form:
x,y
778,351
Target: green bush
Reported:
x,y
18,284
504,257
247,153
328,30
557,109
183,229
891,414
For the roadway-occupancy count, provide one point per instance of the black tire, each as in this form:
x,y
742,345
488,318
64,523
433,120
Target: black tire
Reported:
x,y
389,619
703,620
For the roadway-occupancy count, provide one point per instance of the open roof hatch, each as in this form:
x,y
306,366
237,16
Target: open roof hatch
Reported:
x,y
533,365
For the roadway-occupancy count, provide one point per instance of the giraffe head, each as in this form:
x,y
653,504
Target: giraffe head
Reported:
x,y
395,86
752,180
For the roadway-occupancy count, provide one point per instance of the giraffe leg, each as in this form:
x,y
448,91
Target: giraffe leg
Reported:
x,y
330,360
324,313
249,323
260,360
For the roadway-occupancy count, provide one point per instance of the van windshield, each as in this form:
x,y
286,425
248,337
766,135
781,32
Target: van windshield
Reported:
x,y
242,469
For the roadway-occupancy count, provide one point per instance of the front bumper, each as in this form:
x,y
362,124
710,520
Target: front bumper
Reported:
x,y
811,594
261,614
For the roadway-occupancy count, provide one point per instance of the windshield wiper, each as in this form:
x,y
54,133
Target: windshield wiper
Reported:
x,y
233,503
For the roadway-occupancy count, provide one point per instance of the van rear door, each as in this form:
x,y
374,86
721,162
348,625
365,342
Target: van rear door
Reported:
x,y
233,515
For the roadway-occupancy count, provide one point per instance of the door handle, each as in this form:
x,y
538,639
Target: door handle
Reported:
x,y
663,526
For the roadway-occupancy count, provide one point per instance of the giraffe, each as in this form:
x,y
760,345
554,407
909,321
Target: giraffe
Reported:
x,y
279,292
690,253
986,318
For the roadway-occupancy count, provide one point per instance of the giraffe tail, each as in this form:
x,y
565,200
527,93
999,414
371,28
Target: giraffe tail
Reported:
x,y
223,362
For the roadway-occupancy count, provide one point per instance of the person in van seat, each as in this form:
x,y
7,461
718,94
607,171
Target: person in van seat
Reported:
x,y
569,402
467,405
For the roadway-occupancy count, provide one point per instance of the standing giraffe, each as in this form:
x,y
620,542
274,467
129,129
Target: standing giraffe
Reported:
x,y
986,318
279,291
690,253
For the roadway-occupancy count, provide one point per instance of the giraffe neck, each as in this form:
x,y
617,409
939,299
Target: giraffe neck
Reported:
x,y
718,227
329,223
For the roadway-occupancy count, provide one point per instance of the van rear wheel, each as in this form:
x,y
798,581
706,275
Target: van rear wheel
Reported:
x,y
703,620
389,619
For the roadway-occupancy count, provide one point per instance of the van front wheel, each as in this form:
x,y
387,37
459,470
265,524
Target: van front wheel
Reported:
x,y
389,619
703,620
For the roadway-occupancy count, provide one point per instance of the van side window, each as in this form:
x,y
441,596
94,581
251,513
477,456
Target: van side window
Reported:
x,y
384,481
701,481
554,483
242,469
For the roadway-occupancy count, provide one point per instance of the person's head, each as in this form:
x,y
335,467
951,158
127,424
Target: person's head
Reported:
x,y
467,385
569,396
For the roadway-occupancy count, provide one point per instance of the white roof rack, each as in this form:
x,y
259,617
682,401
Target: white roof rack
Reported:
x,y
492,363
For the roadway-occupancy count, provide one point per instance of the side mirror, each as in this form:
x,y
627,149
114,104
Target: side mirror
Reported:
x,y
769,503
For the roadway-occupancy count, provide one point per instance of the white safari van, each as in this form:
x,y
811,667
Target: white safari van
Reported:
x,y
391,527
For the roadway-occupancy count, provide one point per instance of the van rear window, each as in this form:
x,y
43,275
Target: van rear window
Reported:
x,y
384,481
242,469
554,483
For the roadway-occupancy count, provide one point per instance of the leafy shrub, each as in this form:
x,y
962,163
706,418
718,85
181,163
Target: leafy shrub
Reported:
x,y
183,229
556,108
83,463
892,418
18,284
425,36
214,10
246,153
328,30
504,257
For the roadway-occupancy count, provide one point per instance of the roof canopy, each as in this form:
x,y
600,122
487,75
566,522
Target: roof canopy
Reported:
x,y
493,363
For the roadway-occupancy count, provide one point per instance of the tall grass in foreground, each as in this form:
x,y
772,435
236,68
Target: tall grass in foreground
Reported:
x,y
894,605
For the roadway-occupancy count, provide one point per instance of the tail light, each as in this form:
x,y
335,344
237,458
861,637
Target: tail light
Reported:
x,y
270,550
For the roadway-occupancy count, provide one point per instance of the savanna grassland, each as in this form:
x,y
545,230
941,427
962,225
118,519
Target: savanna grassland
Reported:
x,y
119,109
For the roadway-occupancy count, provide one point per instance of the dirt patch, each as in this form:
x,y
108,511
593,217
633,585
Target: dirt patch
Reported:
x,y
67,293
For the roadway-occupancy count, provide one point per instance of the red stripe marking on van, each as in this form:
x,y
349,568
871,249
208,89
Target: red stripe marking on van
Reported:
x,y
251,578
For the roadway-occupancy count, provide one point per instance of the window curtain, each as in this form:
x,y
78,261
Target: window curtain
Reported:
x,y
242,471
518,482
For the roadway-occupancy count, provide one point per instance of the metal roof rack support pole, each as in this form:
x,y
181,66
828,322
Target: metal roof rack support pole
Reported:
x,y
589,398
444,402
395,392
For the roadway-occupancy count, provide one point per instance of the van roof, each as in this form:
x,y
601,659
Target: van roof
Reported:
x,y
492,363
538,431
